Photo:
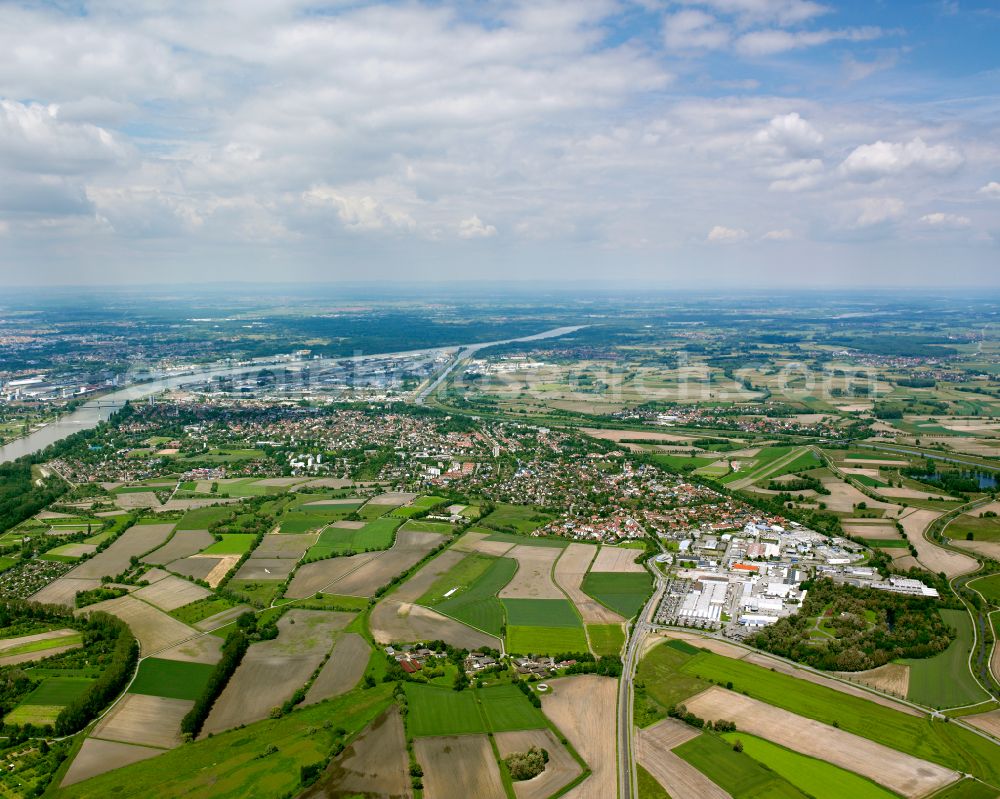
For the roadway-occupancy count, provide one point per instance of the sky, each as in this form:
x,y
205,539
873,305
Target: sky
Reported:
x,y
688,143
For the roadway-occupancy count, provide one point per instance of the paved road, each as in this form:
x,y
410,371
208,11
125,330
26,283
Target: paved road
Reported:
x,y
627,788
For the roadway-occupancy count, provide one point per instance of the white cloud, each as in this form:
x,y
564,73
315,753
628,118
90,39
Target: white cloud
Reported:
x,y
882,159
726,235
773,41
474,228
692,29
874,211
942,220
791,135
778,235
33,138
784,12
991,189
359,212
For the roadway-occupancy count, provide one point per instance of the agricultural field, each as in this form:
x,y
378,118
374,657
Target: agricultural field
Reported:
x,y
516,518
944,680
43,704
172,679
478,579
624,593
340,538
606,639
543,626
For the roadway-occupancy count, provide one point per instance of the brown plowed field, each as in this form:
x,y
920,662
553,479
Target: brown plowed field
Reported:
x,y
615,559
183,544
313,577
374,765
171,593
391,621
271,671
679,778
342,671
906,775
459,766
930,555
560,769
154,629
137,540
144,720
592,733
97,757
571,568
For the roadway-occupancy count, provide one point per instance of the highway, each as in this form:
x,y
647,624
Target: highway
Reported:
x,y
627,788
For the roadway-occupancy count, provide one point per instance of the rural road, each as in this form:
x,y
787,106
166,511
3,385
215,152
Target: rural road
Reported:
x,y
626,765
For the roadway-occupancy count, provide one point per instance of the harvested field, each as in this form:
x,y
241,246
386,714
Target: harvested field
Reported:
x,y
459,765
873,473
592,734
992,507
987,722
171,593
844,497
678,777
287,545
899,772
930,555
313,577
7,644
97,757
327,502
533,579
343,524
802,674
153,628
63,591
613,559
375,764
136,541
911,493
392,620
892,678
222,618
330,482
133,500
621,435
560,769
393,498
183,544
476,542
271,671
203,649
197,567
883,531
281,482
28,657
265,569
74,550
144,720
990,549
342,671
56,642
221,569
570,571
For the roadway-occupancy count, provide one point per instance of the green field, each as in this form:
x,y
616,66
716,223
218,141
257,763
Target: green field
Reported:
x,y
43,704
231,544
477,604
238,763
606,639
203,518
739,775
524,540
41,646
649,788
260,591
982,528
506,708
418,506
420,526
989,587
815,778
682,462
521,518
173,679
886,543
545,640
7,562
376,534
623,593
945,679
672,676
201,609
435,710
541,613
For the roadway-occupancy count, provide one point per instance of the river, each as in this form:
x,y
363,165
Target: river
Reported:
x,y
92,413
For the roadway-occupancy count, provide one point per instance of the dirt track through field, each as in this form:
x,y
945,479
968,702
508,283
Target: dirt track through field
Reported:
x,y
899,772
560,769
316,576
533,579
678,777
459,766
571,568
592,733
